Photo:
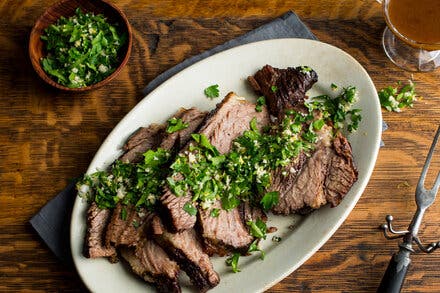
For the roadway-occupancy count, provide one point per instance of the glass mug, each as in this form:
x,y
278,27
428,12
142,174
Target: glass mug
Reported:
x,y
411,39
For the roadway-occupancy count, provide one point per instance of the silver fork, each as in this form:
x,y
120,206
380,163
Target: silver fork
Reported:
x,y
394,276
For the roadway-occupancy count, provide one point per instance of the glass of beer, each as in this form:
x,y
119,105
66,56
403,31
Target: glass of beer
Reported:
x,y
411,39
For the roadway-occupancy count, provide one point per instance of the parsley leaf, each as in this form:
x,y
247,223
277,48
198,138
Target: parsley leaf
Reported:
x,y
215,213
176,124
261,101
258,228
123,214
269,200
189,208
254,247
212,91
394,100
232,261
274,88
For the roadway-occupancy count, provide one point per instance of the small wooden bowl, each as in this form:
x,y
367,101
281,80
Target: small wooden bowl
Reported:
x,y
67,9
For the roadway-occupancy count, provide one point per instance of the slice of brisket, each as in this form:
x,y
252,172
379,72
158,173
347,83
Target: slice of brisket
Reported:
x,y
324,178
125,225
94,246
177,140
225,233
184,247
149,261
283,88
225,123
145,138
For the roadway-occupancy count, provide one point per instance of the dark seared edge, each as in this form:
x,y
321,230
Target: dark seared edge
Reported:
x,y
283,88
185,248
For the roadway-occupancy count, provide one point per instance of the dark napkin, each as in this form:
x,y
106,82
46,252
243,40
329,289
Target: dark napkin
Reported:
x,y
53,220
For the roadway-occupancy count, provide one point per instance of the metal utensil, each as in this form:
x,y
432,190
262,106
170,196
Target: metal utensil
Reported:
x,y
394,276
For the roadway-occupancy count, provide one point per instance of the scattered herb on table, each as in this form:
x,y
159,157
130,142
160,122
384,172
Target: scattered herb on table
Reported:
x,y
212,91
81,50
176,124
393,99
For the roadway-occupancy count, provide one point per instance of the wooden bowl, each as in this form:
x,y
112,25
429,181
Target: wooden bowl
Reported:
x,y
67,9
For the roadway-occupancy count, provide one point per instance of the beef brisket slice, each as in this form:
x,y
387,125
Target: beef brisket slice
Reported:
x,y
149,261
97,220
324,178
228,121
342,173
224,233
184,247
125,225
283,88
144,139
177,140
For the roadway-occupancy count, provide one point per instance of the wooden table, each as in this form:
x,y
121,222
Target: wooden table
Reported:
x,y
48,137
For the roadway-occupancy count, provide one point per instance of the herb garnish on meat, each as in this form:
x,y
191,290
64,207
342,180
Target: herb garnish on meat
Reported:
x,y
81,50
176,124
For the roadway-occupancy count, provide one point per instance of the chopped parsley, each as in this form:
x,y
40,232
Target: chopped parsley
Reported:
x,y
338,109
269,200
176,124
261,101
212,91
334,86
139,184
232,261
254,247
81,50
393,99
215,213
123,214
274,88
258,228
135,224
190,209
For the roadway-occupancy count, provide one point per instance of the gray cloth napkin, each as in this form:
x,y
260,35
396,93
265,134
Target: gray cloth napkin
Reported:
x,y
53,220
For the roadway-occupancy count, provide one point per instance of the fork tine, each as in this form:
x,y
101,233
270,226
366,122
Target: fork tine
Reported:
x,y
436,184
428,162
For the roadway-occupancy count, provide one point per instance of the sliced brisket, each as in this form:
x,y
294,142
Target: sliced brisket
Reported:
x,y
125,225
177,140
324,178
94,246
225,233
328,173
229,120
283,88
184,247
145,138
149,261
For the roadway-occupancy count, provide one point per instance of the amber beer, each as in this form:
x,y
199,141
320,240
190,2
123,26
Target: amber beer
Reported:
x,y
416,22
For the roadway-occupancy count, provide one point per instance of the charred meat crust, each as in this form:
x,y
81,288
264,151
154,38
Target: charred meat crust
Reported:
x,y
283,88
186,249
151,263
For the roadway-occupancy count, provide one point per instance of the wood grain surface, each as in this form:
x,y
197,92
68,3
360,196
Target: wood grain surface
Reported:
x,y
48,137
